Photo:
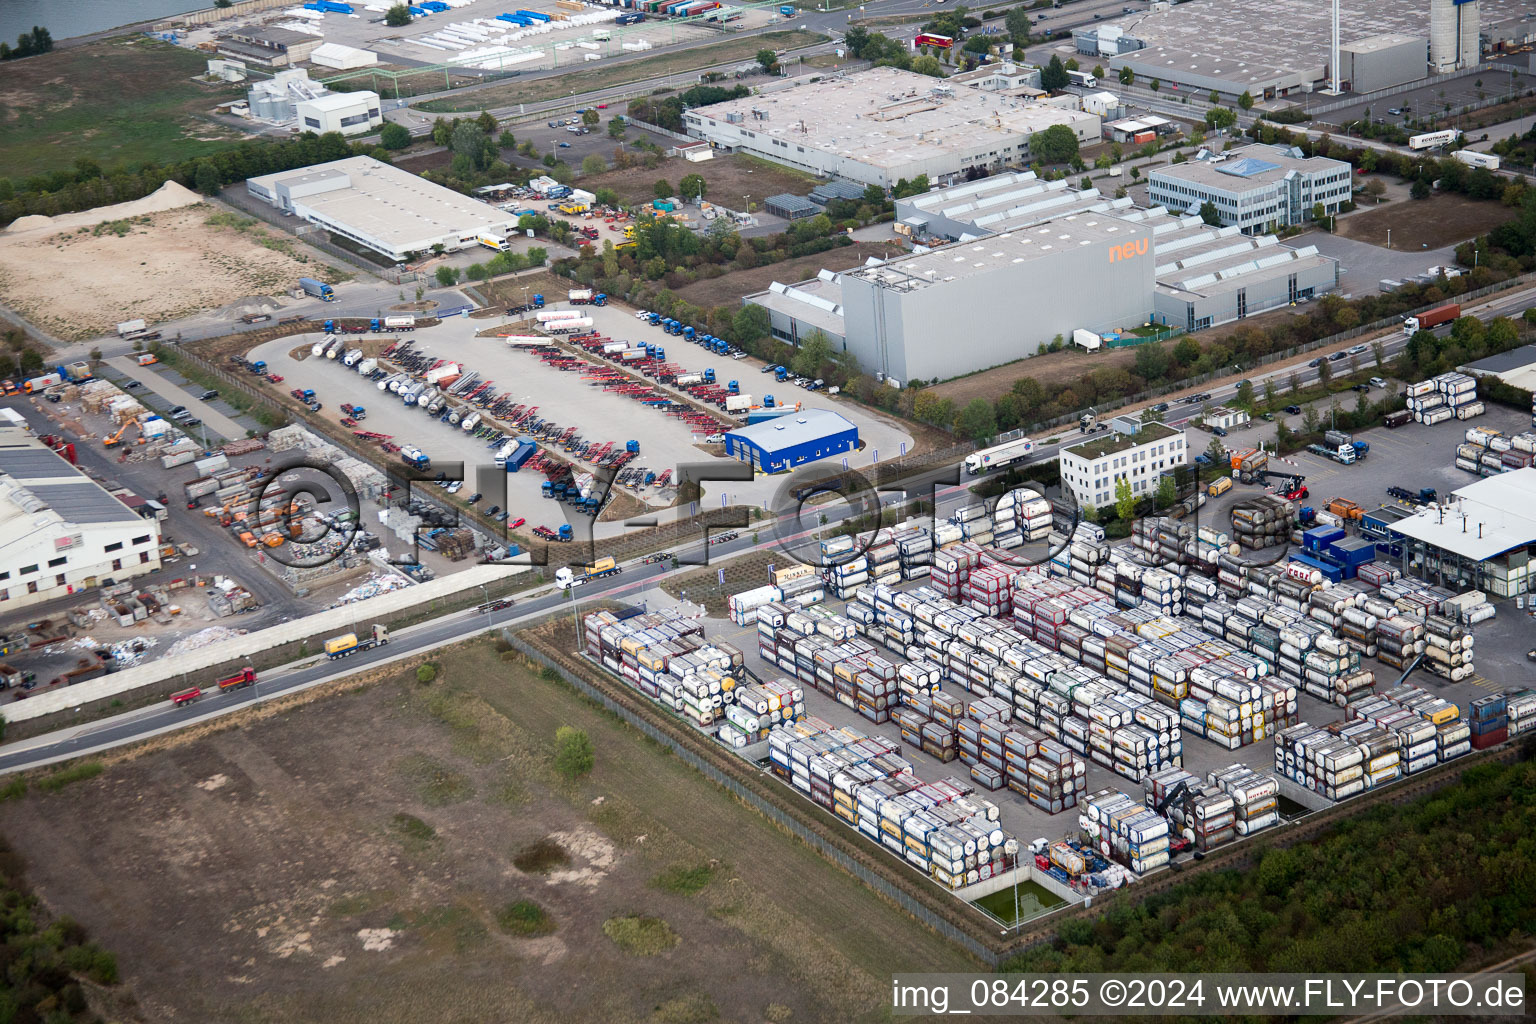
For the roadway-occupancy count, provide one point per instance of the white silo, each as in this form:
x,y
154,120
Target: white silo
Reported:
x,y
1453,34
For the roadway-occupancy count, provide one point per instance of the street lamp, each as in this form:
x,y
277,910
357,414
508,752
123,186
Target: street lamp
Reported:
x,y
487,595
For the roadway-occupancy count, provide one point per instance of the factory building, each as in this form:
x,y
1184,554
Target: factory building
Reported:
x,y
1091,469
1256,188
60,531
983,303
375,204
881,126
272,47
1481,538
1381,62
1517,367
794,439
1041,244
350,113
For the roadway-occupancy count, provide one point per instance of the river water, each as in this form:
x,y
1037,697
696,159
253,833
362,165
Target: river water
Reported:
x,y
66,18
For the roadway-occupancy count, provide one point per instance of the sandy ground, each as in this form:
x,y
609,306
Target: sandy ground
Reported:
x,y
79,275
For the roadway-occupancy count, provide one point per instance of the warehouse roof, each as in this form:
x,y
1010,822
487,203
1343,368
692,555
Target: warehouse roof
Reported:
x,y
836,190
1483,519
1004,202
382,202
1504,362
341,100
1112,444
789,431
966,259
37,481
791,204
1196,258
1385,41
1249,167
885,117
817,302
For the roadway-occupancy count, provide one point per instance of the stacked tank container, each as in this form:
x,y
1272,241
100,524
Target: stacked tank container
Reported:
x,y
1124,831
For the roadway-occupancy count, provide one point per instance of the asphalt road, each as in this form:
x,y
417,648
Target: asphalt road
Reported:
x,y
139,725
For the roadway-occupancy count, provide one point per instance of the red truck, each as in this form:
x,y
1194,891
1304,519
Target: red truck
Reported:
x,y
245,677
186,696
1431,318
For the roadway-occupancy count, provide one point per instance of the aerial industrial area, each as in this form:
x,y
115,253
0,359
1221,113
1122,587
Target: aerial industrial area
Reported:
x,y
621,510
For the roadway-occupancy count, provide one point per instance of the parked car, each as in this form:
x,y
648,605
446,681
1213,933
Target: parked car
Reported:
x,y
209,395
455,487
131,385
1219,431
191,421
179,409
1359,387
1294,410
473,498
1160,407
1377,382
493,510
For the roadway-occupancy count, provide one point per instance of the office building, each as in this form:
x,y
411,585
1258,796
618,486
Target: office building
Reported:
x,y
350,113
1091,469
794,439
1255,188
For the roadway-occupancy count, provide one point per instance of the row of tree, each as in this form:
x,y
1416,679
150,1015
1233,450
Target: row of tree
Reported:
x,y
1428,885
28,44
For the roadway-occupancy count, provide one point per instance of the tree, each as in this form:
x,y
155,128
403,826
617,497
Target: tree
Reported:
x,y
426,673
206,178
1167,491
397,16
750,324
1215,97
506,140
95,355
1125,501
1018,24
1072,64
1270,392
593,164
447,276
394,136
769,60
477,271
590,117
692,186
1209,215
1151,363
1216,452
486,122
1319,213
1245,395
928,65
814,352
1379,353
617,128
574,756
1245,100
1309,419
1186,351
1054,75
1127,76
1324,372
1056,145
1376,188
1098,71
1418,190
662,189
1157,83
1220,117
977,421
1090,514
468,141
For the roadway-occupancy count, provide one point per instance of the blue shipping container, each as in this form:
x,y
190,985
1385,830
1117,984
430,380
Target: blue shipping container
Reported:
x,y
525,451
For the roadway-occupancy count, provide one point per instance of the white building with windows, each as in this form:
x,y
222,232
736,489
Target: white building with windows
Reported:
x,y
350,113
1256,188
60,531
1091,469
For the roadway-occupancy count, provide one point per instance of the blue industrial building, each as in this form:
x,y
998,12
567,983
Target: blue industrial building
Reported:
x,y
781,444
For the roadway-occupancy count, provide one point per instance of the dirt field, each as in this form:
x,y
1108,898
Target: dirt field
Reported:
x,y
728,289
1437,222
727,179
268,872
77,276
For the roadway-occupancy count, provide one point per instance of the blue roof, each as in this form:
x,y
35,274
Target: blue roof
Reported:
x,y
1247,167
789,431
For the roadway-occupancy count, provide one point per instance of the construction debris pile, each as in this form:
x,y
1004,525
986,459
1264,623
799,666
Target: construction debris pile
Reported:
x,y
203,638
369,481
373,586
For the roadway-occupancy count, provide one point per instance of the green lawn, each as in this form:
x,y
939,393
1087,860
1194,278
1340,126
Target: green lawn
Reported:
x,y
123,102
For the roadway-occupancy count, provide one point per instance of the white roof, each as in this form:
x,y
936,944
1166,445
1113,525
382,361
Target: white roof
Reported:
x,y
341,100
1481,520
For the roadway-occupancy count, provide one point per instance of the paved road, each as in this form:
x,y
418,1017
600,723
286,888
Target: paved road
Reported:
x,y
138,725
216,421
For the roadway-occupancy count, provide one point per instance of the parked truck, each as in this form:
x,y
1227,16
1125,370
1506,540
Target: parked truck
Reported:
x,y
1432,318
567,578
128,328
348,643
318,289
996,457
415,458
1344,508
1343,454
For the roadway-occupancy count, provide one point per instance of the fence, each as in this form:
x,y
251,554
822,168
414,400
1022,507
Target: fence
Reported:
x,y
210,14
1355,100
768,808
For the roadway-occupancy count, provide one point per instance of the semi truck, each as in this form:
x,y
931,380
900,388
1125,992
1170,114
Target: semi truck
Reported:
x,y
1431,318
495,242
348,643
566,578
128,328
415,458
1343,454
318,289
996,457
243,678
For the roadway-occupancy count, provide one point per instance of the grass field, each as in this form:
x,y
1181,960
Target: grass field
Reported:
x,y
434,868
1436,222
119,102
727,289
1033,899
610,75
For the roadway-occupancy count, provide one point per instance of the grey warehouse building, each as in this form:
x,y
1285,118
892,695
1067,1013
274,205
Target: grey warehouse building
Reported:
x,y
1381,62
1034,259
977,304
1256,188
883,125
